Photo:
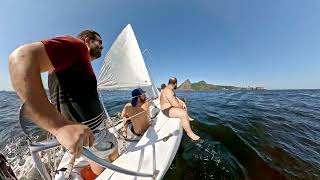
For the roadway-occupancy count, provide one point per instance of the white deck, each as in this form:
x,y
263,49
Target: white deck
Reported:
x,y
149,154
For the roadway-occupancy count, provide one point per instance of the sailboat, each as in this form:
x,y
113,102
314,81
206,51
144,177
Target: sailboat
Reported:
x,y
151,155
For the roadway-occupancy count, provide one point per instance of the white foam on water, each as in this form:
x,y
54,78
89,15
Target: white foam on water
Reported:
x,y
20,159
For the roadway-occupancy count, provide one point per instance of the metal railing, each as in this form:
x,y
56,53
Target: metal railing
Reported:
x,y
36,147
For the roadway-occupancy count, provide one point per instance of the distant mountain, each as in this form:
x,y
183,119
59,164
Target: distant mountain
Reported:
x,y
202,85
186,85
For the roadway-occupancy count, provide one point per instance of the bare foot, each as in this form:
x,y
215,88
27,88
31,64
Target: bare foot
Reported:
x,y
190,118
193,136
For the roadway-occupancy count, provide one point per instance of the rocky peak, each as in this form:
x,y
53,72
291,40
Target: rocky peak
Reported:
x,y
186,85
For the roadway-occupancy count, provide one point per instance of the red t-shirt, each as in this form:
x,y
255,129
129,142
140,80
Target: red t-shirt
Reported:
x,y
72,84
67,52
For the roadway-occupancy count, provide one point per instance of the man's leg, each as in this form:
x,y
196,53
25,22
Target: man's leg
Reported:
x,y
190,118
182,114
108,154
181,101
97,169
114,155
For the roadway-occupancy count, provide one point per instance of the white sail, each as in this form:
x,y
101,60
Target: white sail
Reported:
x,y
124,68
124,65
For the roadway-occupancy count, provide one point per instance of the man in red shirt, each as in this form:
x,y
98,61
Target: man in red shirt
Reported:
x,y
75,108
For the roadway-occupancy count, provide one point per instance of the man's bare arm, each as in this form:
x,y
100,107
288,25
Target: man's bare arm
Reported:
x,y
172,99
25,65
146,105
182,103
124,114
124,111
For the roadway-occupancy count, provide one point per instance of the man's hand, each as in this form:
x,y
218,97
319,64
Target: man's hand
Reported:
x,y
74,137
183,104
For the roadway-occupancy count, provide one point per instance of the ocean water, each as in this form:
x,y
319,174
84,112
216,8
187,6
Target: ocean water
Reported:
x,y
245,135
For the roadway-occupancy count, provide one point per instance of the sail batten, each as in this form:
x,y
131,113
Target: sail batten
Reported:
x,y
124,65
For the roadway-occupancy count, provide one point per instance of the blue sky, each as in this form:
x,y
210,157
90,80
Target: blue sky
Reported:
x,y
273,43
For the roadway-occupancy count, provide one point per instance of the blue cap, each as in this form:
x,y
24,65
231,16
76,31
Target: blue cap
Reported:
x,y
135,93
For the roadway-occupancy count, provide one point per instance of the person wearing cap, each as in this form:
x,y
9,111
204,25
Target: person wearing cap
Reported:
x,y
173,107
137,112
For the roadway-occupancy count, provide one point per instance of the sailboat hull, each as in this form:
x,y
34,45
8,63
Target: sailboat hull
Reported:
x,y
152,154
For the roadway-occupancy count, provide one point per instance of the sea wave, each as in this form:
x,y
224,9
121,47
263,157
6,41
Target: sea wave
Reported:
x,y
245,134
